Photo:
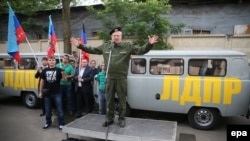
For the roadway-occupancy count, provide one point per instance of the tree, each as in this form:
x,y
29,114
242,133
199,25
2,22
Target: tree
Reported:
x,y
66,26
138,19
28,8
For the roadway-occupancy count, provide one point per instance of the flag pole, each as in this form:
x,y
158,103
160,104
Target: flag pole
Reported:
x,y
57,48
32,52
80,60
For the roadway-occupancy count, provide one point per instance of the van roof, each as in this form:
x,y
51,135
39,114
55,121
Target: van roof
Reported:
x,y
194,53
36,54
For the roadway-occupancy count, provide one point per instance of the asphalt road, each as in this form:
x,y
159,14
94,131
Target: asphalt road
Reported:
x,y
17,123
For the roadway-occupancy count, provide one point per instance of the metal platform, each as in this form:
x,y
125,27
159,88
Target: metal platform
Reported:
x,y
136,129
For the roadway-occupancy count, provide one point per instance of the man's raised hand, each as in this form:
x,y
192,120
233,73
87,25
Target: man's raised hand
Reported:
x,y
74,41
153,40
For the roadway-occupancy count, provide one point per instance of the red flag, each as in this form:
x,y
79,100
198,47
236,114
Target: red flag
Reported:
x,y
52,39
83,54
20,34
15,35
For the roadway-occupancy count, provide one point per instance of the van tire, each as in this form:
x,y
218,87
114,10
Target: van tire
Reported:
x,y
30,100
203,118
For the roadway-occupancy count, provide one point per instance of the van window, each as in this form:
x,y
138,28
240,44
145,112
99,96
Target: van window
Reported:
x,y
7,63
27,64
1,63
160,66
207,67
138,66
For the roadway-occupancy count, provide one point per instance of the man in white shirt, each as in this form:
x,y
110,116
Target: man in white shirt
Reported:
x,y
83,77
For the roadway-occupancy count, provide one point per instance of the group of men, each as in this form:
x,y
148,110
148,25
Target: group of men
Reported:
x,y
116,56
68,81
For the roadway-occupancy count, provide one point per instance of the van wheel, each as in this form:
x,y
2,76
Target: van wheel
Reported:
x,y
30,100
203,118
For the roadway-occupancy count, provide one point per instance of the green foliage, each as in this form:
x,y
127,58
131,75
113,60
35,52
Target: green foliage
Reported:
x,y
28,7
137,19
175,29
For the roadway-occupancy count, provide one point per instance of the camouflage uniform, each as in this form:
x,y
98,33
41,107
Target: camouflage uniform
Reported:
x,y
118,70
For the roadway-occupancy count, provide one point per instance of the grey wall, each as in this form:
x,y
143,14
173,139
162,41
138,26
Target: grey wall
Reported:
x,y
219,19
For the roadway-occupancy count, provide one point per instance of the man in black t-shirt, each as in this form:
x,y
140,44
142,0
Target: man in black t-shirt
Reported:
x,y
50,81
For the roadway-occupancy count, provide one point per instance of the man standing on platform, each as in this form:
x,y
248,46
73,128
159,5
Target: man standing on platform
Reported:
x,y
116,56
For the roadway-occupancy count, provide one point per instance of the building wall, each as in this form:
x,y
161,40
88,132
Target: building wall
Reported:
x,y
211,42
180,42
220,19
216,18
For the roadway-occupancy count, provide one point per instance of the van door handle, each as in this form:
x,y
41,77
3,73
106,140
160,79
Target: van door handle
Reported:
x,y
157,96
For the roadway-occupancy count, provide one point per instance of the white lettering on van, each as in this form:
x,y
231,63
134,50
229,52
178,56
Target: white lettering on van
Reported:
x,y
200,90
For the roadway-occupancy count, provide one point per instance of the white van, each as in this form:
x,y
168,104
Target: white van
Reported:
x,y
19,79
205,85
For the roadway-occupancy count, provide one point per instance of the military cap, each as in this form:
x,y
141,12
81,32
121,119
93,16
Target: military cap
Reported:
x,y
115,29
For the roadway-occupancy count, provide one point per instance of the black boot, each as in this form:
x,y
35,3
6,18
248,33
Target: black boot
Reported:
x,y
106,123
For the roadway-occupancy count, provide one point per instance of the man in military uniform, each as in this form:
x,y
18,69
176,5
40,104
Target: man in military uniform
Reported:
x,y
116,55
